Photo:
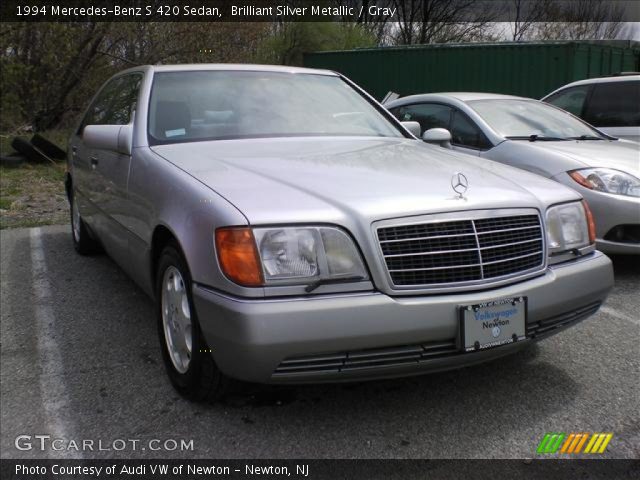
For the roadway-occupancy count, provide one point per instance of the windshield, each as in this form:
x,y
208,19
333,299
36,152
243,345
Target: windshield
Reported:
x,y
525,118
212,105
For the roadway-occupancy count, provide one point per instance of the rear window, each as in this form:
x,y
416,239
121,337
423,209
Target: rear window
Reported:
x,y
615,104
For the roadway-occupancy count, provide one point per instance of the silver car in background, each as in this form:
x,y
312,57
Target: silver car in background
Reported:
x,y
290,230
542,139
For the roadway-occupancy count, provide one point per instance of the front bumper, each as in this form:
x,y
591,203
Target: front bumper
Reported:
x,y
618,248
609,213
259,340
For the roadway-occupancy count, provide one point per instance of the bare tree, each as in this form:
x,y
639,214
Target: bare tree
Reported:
x,y
442,21
190,42
582,20
50,70
45,63
527,14
289,41
379,25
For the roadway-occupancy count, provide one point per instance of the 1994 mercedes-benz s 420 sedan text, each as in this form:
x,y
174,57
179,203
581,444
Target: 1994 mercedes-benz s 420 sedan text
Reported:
x,y
291,230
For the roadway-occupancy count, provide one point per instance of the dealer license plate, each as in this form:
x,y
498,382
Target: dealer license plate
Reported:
x,y
494,323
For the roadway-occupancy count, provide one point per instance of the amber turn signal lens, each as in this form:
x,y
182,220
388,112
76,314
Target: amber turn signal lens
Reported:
x,y
590,222
238,256
580,179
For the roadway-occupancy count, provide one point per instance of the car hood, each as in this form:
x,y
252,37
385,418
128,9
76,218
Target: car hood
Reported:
x,y
327,179
619,154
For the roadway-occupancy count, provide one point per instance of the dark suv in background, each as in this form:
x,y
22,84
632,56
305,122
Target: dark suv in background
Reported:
x,y
612,104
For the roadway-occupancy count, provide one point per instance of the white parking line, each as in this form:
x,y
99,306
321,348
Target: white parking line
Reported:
x,y
52,386
620,316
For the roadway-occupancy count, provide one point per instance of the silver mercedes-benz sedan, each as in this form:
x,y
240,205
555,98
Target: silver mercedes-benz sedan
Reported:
x,y
543,139
291,230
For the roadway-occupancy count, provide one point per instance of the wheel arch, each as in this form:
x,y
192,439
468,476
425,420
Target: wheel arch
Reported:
x,y
161,237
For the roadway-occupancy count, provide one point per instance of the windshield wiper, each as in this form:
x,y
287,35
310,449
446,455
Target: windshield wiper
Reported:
x,y
586,137
537,138
326,281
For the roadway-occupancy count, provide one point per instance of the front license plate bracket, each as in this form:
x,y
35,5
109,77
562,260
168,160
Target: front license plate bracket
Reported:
x,y
492,324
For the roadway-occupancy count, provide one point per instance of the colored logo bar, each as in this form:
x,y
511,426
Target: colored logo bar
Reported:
x,y
573,443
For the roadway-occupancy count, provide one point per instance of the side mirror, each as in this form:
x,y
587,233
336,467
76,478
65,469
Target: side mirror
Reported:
x,y
440,136
413,127
116,138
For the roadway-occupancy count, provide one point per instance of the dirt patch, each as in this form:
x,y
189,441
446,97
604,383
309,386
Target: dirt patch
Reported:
x,y
33,195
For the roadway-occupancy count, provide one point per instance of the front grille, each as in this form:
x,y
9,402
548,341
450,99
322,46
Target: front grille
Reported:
x,y
363,359
459,251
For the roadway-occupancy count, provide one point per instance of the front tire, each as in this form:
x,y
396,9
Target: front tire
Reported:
x,y
82,240
187,358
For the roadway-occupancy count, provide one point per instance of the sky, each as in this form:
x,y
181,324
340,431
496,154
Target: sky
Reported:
x,y
629,31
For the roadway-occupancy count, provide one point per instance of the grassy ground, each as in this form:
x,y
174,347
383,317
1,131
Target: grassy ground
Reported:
x,y
33,195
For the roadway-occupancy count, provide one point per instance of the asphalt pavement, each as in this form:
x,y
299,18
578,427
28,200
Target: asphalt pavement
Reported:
x,y
80,361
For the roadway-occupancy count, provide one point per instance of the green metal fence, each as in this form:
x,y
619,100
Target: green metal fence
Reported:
x,y
527,69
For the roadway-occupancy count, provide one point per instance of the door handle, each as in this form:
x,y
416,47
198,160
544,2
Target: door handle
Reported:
x,y
94,162
74,151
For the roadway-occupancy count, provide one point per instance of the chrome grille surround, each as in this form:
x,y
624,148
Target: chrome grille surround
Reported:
x,y
462,250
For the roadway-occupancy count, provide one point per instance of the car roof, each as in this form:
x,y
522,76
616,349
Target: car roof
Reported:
x,y
617,78
451,97
590,81
189,67
469,96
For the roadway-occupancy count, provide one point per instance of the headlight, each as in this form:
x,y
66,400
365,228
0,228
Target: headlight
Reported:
x,y
569,226
288,253
290,256
607,180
